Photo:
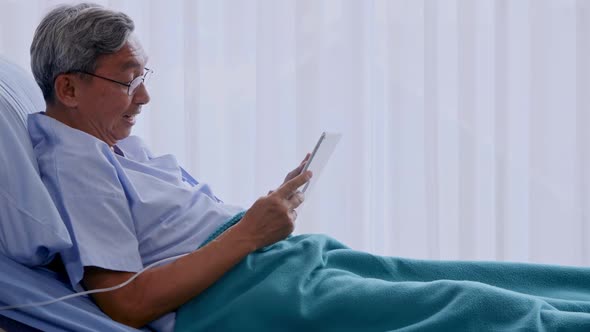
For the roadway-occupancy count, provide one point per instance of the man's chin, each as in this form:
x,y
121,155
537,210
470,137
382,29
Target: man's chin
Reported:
x,y
123,134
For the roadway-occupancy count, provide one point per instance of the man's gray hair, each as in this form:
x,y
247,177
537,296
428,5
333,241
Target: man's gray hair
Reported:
x,y
72,37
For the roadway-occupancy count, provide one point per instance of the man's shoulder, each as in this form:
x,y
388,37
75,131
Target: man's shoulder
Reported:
x,y
64,152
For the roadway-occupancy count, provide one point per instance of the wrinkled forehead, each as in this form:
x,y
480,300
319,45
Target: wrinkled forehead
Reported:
x,y
136,50
131,57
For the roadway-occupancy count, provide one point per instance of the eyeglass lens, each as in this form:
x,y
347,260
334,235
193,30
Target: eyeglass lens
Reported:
x,y
138,81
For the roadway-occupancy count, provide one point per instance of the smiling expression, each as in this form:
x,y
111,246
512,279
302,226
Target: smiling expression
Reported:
x,y
104,109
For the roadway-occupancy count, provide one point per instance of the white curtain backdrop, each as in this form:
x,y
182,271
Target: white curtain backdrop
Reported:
x,y
466,123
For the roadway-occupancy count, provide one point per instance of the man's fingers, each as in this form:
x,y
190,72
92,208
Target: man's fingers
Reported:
x,y
289,187
306,158
295,200
302,164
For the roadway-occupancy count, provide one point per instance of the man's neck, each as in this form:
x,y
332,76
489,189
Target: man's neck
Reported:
x,y
60,115
64,115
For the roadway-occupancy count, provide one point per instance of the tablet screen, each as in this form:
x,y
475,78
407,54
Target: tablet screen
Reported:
x,y
319,157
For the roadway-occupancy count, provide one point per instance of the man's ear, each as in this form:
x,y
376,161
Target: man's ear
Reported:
x,y
66,90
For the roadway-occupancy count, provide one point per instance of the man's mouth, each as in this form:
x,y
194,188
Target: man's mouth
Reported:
x,y
130,117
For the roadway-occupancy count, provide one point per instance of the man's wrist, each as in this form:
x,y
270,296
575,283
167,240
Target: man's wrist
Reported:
x,y
240,239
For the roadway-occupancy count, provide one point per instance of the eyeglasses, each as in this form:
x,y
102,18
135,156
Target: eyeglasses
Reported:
x,y
131,86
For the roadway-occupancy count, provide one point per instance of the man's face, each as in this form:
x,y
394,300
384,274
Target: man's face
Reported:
x,y
105,110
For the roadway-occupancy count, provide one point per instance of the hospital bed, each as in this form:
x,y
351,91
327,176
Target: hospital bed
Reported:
x,y
19,180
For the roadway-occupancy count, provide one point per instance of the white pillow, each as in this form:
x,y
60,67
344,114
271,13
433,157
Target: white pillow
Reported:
x,y
31,230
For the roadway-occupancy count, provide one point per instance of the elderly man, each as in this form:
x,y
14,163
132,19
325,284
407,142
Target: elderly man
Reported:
x,y
126,208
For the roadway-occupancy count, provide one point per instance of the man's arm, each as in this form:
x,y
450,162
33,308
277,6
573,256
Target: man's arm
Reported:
x,y
163,289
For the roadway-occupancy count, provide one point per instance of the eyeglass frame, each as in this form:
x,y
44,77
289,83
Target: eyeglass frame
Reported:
x,y
141,78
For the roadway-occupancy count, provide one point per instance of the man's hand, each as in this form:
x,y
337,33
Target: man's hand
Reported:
x,y
271,218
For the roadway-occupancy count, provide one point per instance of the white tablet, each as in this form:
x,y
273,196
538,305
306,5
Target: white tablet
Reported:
x,y
319,156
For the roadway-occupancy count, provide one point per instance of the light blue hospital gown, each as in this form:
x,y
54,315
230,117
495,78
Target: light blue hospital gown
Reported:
x,y
122,212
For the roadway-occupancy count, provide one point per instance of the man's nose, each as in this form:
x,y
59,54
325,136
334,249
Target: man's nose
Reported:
x,y
141,95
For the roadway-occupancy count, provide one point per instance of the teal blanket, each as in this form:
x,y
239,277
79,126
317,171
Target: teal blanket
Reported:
x,y
315,283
